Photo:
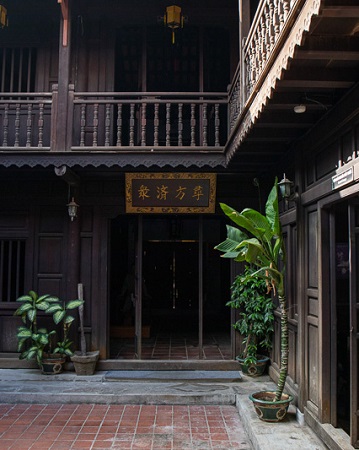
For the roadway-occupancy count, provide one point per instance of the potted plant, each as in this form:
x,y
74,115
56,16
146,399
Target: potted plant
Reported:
x,y
255,321
259,241
35,341
84,362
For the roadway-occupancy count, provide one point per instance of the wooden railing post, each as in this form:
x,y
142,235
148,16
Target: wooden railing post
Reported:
x,y
70,116
55,96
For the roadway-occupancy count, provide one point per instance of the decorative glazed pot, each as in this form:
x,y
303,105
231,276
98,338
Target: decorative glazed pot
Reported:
x,y
52,364
268,410
256,369
85,364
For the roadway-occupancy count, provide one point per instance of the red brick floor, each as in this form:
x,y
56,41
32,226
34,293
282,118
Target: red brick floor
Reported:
x,y
90,426
175,346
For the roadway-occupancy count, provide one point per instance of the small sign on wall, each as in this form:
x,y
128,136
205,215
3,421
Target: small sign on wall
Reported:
x,y
343,178
170,193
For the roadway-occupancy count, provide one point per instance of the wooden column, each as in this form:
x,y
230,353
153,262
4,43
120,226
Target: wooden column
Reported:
x,y
62,131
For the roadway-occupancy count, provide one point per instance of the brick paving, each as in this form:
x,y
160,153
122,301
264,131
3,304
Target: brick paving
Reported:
x,y
94,426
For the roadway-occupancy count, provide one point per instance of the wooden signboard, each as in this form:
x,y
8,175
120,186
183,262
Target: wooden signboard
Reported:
x,y
170,193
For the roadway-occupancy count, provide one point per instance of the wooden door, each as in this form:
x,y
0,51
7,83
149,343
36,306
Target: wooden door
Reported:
x,y
354,332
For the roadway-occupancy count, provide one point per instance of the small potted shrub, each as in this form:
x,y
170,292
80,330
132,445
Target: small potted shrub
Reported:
x,y
255,320
35,341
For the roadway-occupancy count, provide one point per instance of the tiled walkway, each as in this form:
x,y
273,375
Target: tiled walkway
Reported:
x,y
175,346
89,426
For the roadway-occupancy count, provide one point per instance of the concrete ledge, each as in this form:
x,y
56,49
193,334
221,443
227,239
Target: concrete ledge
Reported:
x,y
287,434
334,438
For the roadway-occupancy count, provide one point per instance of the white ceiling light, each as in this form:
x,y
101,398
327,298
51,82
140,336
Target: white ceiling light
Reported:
x,y
300,109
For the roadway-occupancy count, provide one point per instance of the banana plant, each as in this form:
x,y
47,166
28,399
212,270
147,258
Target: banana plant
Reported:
x,y
259,241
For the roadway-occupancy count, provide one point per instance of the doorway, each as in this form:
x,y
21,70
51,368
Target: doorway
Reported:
x,y
181,310
344,311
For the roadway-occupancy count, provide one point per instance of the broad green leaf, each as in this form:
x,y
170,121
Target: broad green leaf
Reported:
x,y
31,315
53,308
69,319
23,333
72,304
42,306
24,298
58,316
33,295
23,309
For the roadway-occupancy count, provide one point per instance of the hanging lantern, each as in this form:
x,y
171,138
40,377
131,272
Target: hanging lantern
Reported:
x,y
72,209
3,17
173,19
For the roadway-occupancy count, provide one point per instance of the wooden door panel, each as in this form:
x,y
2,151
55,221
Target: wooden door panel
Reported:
x,y
354,320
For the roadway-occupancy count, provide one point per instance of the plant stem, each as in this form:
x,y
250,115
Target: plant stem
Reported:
x,y
81,316
284,350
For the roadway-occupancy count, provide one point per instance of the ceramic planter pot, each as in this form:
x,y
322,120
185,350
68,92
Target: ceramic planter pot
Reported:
x,y
254,370
85,364
52,364
268,410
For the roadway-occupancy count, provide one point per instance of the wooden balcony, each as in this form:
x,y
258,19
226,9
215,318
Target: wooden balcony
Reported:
x,y
115,121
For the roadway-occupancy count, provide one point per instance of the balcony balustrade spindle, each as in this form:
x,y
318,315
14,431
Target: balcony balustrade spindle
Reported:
x,y
28,125
82,125
95,125
180,124
132,124
205,124
40,124
107,125
17,126
193,125
156,125
168,124
143,125
6,125
119,125
216,125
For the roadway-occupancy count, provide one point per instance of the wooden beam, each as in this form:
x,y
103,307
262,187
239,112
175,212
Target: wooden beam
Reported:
x,y
65,16
340,12
340,55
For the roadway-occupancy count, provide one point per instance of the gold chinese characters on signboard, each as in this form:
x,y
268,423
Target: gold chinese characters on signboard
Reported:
x,y
170,193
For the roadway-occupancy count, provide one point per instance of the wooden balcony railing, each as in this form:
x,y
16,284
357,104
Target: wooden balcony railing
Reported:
x,y
155,119
114,121
25,120
270,27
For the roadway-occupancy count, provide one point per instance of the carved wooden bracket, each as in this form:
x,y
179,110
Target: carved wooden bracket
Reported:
x,y
65,15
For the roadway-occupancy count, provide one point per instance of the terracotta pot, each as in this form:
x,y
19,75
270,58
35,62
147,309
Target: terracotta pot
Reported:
x,y
268,410
254,370
85,364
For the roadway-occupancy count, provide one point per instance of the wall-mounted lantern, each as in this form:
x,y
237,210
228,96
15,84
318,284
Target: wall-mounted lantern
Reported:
x,y
3,17
287,190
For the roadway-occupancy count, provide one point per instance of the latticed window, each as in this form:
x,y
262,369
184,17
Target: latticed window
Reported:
x,y
12,269
17,69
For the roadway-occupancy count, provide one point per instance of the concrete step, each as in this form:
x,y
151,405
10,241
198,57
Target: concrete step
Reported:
x,y
173,375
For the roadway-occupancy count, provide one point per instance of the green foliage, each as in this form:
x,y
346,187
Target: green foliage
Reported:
x,y
259,242
255,322
33,341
